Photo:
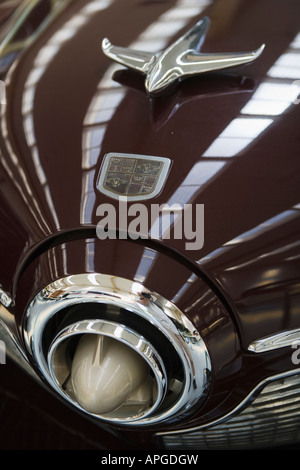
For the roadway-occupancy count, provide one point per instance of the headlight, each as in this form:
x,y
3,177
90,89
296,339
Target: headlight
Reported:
x,y
116,350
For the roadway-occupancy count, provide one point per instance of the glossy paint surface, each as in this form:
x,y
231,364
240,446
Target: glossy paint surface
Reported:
x,y
234,143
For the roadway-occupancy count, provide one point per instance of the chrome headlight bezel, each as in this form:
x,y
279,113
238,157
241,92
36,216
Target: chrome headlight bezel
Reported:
x,y
161,317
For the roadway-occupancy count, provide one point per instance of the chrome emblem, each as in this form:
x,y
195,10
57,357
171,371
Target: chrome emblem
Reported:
x,y
135,177
180,60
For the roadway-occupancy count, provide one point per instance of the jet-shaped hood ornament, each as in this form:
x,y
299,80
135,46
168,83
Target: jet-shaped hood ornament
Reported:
x,y
180,60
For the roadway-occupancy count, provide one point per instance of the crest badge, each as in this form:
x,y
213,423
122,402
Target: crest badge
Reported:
x,y
136,177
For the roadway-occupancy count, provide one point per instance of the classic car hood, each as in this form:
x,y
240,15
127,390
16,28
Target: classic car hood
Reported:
x,y
232,137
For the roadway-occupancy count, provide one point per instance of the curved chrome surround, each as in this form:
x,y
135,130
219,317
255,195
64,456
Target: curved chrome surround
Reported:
x,y
181,59
276,341
5,298
120,333
13,348
138,301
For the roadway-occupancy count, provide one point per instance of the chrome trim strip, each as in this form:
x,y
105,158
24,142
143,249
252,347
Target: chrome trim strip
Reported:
x,y
5,298
17,19
277,341
237,409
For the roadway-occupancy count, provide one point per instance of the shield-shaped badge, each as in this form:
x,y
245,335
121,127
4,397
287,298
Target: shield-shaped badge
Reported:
x,y
135,177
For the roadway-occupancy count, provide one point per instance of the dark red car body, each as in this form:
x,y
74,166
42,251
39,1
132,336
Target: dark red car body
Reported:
x,y
53,140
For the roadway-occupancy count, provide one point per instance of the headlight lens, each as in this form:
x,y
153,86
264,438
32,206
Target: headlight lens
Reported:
x,y
171,356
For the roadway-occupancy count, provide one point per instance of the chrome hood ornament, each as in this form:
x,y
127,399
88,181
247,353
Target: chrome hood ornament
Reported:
x,y
180,60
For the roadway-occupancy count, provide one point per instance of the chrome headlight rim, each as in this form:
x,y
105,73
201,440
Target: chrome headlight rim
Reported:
x,y
161,314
